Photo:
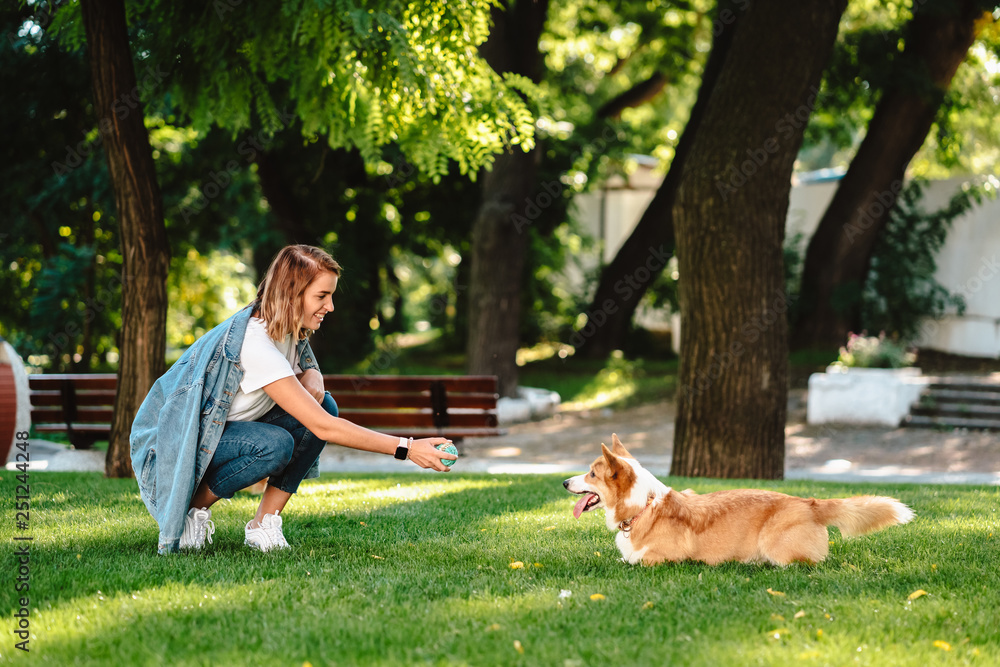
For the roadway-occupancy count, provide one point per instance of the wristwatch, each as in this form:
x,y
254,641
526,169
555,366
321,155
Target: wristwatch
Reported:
x,y
403,448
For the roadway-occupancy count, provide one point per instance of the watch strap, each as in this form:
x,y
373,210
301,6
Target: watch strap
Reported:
x,y
403,449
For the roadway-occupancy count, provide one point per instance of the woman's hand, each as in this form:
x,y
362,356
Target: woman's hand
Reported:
x,y
426,455
312,380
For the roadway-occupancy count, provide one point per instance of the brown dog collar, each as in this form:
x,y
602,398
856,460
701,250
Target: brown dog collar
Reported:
x,y
626,525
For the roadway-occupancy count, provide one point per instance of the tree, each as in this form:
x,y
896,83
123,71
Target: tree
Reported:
x,y
839,254
360,75
729,220
140,213
625,54
642,257
502,224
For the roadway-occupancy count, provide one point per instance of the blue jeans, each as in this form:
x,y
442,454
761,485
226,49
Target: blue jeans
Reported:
x,y
276,446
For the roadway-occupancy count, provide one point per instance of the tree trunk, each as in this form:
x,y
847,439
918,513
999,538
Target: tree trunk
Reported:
x,y
86,239
839,253
730,224
502,225
641,259
145,252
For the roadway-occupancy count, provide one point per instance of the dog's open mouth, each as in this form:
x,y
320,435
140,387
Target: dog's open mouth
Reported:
x,y
585,504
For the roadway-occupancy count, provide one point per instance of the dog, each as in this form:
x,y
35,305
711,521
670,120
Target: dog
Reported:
x,y
656,523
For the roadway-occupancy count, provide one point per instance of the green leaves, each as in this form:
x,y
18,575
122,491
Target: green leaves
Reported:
x,y
361,74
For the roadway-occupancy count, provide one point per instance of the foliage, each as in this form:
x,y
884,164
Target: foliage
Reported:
x,y
901,289
595,52
203,290
371,553
358,74
869,57
874,352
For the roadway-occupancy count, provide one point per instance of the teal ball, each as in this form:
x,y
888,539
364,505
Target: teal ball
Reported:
x,y
451,450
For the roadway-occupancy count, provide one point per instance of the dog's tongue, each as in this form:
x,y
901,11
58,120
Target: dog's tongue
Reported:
x,y
581,504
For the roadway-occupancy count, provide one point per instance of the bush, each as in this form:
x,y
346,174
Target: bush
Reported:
x,y
874,352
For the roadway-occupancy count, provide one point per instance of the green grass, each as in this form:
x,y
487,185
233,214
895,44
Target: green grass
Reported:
x,y
416,569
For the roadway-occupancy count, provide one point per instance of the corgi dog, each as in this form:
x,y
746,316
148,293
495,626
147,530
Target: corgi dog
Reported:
x,y
656,523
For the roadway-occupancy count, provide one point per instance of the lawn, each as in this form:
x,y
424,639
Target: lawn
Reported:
x,y
488,570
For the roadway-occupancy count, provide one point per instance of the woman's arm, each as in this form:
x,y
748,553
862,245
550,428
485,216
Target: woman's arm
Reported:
x,y
296,401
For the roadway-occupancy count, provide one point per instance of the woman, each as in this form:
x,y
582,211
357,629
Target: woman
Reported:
x,y
246,402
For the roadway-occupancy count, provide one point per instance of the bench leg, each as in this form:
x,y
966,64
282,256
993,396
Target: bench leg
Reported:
x,y
82,440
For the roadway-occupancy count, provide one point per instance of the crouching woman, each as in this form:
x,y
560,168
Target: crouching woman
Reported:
x,y
246,403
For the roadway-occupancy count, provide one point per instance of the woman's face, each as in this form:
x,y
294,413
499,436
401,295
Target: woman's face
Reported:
x,y
318,300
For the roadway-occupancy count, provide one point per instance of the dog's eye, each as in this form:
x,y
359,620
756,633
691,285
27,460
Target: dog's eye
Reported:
x,y
592,474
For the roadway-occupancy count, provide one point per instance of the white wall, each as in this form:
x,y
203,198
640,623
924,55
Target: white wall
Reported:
x,y
968,264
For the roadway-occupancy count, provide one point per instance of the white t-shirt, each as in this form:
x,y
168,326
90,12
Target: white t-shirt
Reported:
x,y
264,361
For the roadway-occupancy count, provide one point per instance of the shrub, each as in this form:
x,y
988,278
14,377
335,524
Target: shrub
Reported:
x,y
874,352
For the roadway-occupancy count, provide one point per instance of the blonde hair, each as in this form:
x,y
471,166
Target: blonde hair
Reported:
x,y
279,295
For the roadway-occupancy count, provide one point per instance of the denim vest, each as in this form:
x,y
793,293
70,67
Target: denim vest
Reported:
x,y
180,422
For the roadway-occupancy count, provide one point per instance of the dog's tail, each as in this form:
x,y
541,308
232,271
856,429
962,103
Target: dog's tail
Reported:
x,y
862,514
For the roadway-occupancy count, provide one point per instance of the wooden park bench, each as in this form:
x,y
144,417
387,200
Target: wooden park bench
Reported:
x,y
455,407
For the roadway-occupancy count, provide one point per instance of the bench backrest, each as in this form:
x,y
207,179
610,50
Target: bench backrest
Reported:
x,y
454,406
77,398
457,406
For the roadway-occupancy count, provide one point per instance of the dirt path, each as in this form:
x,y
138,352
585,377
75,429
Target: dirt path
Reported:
x,y
648,432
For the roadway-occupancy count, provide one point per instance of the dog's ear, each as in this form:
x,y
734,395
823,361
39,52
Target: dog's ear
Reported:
x,y
618,448
612,460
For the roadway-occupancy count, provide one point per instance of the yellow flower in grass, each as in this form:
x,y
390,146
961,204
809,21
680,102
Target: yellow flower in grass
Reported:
x,y
776,593
596,597
944,646
516,565
916,594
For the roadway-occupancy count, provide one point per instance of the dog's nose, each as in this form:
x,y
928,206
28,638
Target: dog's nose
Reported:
x,y
566,484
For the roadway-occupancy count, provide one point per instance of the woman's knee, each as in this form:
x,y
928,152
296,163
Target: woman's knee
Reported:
x,y
279,449
330,405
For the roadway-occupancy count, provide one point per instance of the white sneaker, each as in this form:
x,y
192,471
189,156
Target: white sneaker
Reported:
x,y
268,536
198,527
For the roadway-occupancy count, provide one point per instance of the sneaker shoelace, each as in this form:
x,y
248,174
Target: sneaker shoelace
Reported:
x,y
209,527
202,527
272,528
